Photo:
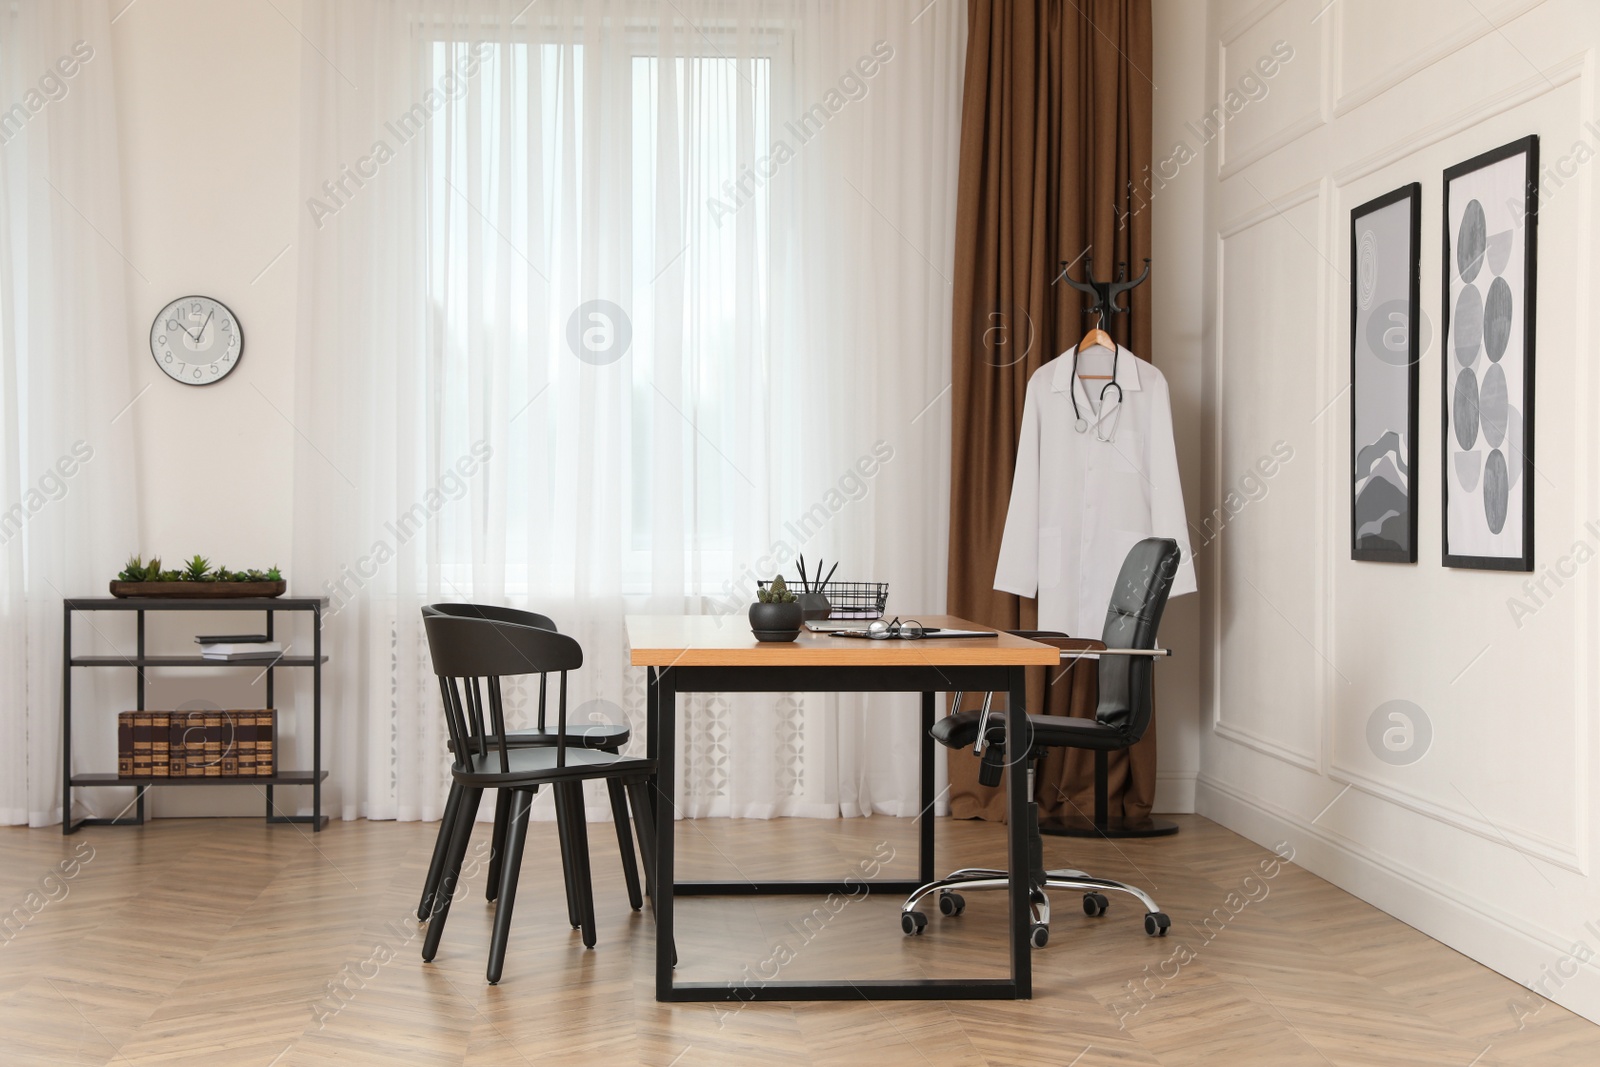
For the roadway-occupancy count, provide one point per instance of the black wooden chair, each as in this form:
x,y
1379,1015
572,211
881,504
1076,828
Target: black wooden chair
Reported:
x,y
602,736
470,656
1126,667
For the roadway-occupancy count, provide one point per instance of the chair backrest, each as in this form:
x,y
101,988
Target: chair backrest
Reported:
x,y
500,614
1132,619
495,612
468,652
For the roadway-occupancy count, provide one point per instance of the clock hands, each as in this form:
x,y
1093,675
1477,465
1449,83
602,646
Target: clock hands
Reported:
x,y
203,326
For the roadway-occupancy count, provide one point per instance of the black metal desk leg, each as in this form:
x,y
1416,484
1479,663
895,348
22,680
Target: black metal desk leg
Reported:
x,y
925,871
666,773
1018,741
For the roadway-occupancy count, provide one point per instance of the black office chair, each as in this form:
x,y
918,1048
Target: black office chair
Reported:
x,y
603,737
470,656
1121,718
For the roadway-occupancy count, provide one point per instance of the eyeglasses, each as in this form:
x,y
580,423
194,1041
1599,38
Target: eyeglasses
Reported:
x,y
909,630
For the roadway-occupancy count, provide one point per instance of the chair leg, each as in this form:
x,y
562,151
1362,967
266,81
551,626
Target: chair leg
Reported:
x,y
516,839
644,818
441,847
460,836
578,828
644,823
619,815
564,834
497,843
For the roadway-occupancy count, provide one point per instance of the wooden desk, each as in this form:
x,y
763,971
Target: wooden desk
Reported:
x,y
718,654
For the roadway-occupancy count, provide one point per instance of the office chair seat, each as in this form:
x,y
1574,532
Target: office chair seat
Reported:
x,y
1049,731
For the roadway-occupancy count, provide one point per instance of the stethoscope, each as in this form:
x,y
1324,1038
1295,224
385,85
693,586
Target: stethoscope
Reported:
x,y
1080,423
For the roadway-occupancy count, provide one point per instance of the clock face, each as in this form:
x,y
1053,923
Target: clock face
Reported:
x,y
196,340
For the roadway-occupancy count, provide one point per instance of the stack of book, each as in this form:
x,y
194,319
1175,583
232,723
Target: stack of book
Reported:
x,y
197,744
232,647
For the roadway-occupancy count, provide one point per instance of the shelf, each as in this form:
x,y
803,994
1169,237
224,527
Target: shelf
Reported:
x,y
193,661
281,778
172,603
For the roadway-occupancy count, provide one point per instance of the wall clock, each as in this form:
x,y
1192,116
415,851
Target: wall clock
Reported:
x,y
196,340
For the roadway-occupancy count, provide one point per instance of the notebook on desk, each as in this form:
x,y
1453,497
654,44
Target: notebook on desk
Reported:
x,y
828,626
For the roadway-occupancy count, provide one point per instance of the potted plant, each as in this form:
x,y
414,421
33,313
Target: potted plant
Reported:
x,y
776,615
197,579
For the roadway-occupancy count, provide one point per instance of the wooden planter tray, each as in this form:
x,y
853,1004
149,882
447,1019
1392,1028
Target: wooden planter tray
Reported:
x,y
200,590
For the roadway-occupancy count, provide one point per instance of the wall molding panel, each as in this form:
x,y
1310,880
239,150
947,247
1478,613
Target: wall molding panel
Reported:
x,y
1347,100
1486,845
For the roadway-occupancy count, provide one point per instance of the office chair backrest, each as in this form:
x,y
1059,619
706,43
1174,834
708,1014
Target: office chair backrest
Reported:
x,y
495,612
467,651
1132,619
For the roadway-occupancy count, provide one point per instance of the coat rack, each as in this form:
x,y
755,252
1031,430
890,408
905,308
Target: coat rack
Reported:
x,y
1106,292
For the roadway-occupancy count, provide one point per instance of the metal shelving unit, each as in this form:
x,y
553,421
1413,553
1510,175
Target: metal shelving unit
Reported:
x,y
140,660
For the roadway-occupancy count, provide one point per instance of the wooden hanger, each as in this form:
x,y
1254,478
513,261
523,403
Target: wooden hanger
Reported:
x,y
1096,336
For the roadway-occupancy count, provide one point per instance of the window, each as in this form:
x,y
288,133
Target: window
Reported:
x,y
540,199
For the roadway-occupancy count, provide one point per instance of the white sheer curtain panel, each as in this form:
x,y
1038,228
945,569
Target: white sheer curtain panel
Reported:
x,y
613,307
67,474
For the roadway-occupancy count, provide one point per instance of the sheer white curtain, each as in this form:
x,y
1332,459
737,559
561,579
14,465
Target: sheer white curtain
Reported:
x,y
613,307
66,456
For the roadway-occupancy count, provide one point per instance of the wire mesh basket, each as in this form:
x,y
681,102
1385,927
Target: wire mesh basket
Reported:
x,y
848,600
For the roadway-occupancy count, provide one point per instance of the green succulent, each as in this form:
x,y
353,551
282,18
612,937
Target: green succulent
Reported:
x,y
198,569
137,570
776,592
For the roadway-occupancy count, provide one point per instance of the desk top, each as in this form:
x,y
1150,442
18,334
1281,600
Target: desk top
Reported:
x,y
726,641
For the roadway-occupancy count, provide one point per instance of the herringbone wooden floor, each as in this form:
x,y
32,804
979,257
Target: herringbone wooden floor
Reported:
x,y
221,942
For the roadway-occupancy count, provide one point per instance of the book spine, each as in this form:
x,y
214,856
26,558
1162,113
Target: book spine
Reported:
x,y
194,745
213,735
125,744
266,743
175,763
160,744
141,744
244,732
230,744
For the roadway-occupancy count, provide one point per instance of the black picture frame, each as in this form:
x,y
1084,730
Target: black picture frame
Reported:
x,y
1481,388
1378,269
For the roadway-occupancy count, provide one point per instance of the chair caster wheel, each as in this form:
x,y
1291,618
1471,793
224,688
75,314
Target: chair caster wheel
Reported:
x,y
1039,936
952,903
1095,904
912,923
1156,924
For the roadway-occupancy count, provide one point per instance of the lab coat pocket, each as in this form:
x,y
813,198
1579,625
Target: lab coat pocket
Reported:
x,y
1049,558
1128,452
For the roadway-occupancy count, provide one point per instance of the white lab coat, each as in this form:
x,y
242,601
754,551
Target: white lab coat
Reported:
x,y
1078,504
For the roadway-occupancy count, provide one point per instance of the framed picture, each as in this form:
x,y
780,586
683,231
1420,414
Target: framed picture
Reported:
x,y
1491,211
1385,310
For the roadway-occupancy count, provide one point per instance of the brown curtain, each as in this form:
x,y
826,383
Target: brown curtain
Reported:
x,y
1055,123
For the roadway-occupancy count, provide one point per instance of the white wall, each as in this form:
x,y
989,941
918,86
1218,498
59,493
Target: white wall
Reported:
x,y
208,103
1177,243
1485,842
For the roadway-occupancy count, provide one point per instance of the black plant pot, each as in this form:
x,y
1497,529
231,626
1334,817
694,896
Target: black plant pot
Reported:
x,y
776,622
